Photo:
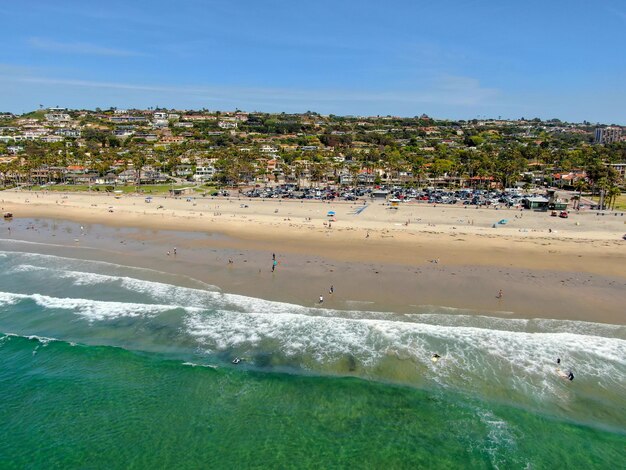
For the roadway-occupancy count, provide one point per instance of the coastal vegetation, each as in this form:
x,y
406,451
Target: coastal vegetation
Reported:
x,y
138,149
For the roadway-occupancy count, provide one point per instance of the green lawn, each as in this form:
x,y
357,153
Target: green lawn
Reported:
x,y
143,189
620,203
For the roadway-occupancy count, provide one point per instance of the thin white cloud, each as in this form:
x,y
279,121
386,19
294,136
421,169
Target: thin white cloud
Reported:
x,y
618,13
82,48
448,90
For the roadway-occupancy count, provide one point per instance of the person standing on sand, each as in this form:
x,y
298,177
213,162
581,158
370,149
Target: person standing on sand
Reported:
x,y
321,299
331,290
500,294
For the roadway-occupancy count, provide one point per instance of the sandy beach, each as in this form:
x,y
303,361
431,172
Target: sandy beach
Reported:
x,y
375,257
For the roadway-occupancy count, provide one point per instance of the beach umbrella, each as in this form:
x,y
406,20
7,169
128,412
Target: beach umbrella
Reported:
x,y
331,213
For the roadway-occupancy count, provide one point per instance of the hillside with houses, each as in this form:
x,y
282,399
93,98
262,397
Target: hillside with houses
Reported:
x,y
114,147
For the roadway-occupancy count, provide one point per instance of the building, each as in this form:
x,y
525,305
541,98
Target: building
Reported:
x,y
227,125
608,135
620,168
204,173
68,132
536,203
57,117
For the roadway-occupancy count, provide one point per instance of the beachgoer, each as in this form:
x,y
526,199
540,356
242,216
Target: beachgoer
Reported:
x,y
436,356
168,253
332,289
558,360
500,294
321,299
174,251
236,360
570,375
273,256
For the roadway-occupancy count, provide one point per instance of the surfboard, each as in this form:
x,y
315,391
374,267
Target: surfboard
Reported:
x,y
561,373
434,359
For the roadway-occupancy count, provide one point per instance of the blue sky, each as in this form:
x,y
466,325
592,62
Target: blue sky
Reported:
x,y
450,59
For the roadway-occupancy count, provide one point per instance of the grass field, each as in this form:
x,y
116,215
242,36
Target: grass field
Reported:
x,y
620,202
154,189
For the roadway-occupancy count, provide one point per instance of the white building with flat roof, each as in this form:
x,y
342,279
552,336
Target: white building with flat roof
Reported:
x,y
608,135
204,173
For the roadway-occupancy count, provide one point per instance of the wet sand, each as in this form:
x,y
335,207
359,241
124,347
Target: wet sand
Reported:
x,y
369,275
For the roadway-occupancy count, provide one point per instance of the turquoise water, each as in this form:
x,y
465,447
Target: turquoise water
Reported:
x,y
104,366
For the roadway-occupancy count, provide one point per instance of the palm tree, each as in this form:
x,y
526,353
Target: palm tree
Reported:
x,y
139,160
317,172
612,194
299,171
580,186
354,174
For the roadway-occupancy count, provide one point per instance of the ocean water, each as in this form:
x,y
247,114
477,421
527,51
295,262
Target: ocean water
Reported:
x,y
106,366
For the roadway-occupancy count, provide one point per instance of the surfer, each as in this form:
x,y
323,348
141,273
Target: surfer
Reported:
x,y
435,357
236,360
570,376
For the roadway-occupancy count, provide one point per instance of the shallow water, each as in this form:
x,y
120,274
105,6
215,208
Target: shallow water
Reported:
x,y
105,365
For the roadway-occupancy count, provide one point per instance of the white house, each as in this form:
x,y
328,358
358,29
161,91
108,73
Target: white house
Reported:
x,y
204,173
57,117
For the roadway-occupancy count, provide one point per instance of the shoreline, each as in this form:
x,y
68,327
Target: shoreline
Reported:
x,y
411,235
307,268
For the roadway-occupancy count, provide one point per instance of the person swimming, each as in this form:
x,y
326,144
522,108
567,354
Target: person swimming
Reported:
x,y
236,360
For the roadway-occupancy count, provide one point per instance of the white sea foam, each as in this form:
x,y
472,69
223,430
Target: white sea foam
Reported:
x,y
90,309
533,325
76,264
471,355
478,351
193,364
500,443
27,242
7,299
44,340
